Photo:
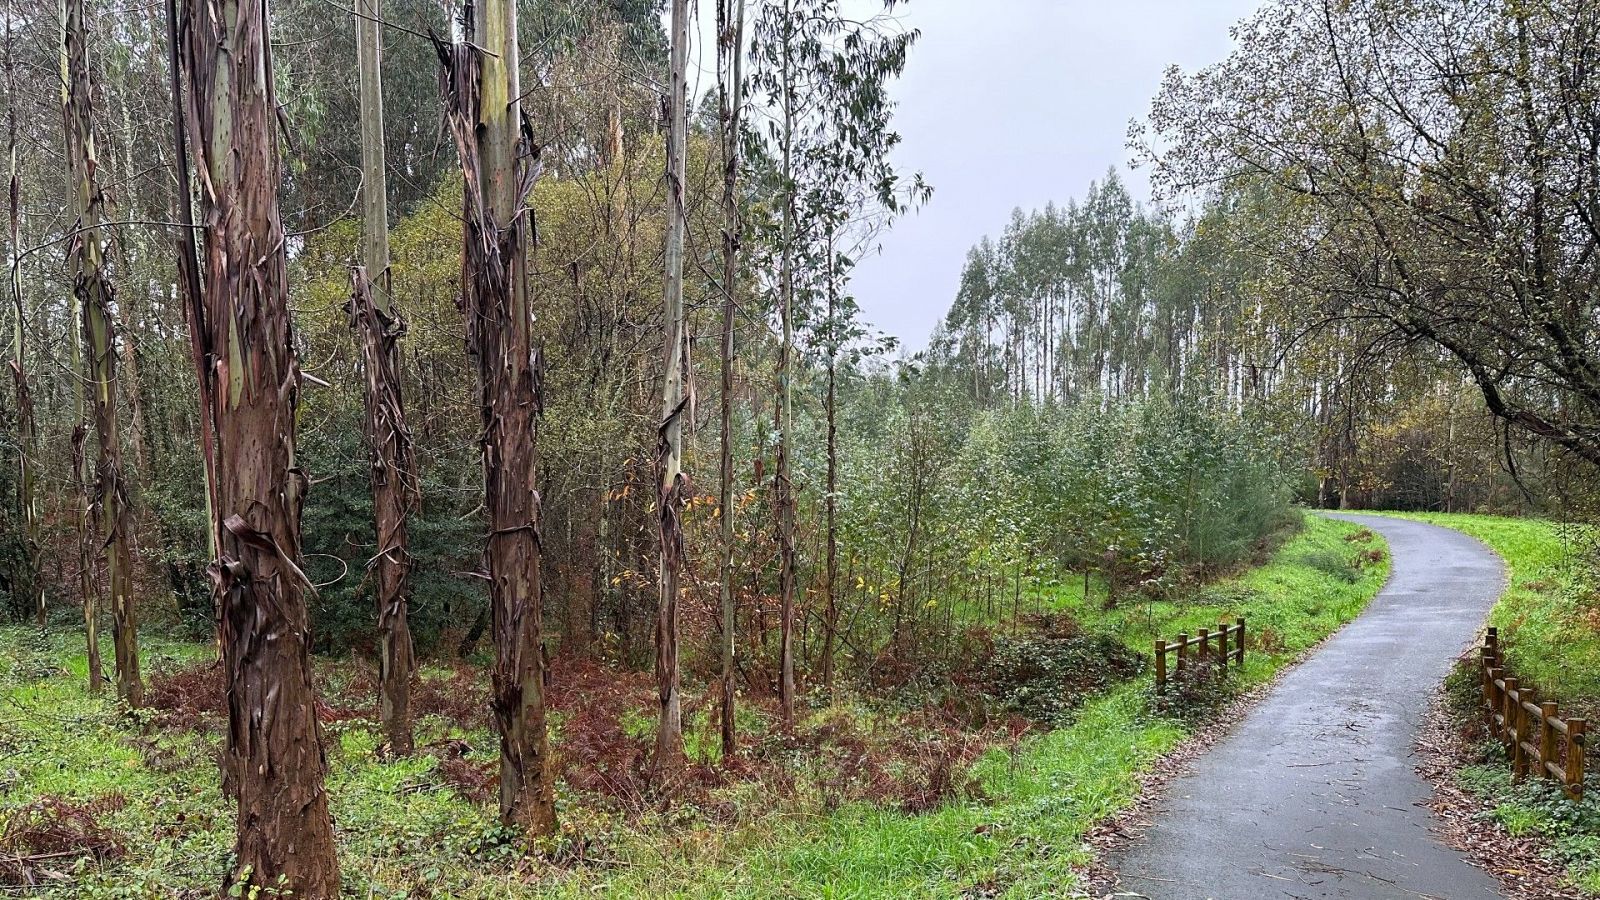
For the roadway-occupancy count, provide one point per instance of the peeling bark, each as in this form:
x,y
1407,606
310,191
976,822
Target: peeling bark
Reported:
x,y
394,496
671,482
86,260
89,601
274,763
499,166
189,289
379,326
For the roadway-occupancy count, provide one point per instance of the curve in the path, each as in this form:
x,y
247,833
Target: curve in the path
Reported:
x,y
1315,793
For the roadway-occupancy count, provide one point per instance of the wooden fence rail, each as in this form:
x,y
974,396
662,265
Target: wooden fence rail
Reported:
x,y
1229,647
1533,731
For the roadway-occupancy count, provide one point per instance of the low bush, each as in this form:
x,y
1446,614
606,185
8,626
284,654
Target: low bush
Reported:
x,y
1045,677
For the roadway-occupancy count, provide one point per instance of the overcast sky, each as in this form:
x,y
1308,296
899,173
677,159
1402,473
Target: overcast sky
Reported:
x,y
1009,103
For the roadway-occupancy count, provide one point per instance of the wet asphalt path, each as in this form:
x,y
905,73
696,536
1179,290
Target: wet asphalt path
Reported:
x,y
1315,794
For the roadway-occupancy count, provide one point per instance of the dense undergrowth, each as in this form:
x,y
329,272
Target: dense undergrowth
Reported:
x,y
934,793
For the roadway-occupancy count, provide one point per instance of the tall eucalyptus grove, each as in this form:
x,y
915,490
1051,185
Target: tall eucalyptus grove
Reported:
x,y
824,73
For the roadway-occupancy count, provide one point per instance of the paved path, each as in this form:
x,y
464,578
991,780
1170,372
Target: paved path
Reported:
x,y
1315,794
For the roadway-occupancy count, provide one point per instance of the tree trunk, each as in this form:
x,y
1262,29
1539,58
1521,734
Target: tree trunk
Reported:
x,y
273,759
730,59
378,326
87,598
91,287
27,428
830,616
189,288
498,160
783,488
671,483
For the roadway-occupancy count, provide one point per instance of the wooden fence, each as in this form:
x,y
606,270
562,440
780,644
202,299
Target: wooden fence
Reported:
x,y
1532,731
1217,649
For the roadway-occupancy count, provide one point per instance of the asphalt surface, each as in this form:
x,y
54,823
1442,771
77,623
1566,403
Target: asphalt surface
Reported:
x,y
1315,793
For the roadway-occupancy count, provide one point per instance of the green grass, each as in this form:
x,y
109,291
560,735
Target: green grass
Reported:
x,y
1017,831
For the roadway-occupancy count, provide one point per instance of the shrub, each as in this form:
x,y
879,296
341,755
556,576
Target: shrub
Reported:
x,y
1192,694
1045,677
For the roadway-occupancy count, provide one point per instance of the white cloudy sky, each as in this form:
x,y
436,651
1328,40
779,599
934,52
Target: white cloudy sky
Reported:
x,y
1009,103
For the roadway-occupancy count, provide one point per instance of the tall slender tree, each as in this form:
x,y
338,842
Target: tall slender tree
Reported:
x,y
730,71
825,72
91,286
190,291
671,482
27,427
273,760
783,485
500,163
88,600
378,326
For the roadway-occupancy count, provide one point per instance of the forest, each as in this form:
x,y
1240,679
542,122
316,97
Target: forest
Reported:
x,y
460,421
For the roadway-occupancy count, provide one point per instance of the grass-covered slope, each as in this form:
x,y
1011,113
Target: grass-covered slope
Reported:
x,y
145,794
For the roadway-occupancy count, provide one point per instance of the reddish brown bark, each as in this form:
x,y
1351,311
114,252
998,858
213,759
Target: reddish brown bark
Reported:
x,y
394,496
499,165
273,758
379,326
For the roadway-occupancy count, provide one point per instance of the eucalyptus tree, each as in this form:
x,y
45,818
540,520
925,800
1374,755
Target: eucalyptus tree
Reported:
x,y
822,74
671,481
273,760
27,423
93,290
499,162
730,121
379,325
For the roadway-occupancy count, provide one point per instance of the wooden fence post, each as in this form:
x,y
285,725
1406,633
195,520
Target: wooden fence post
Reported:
x,y
1575,741
1508,718
1495,702
1223,651
1547,737
1241,642
1520,762
1487,669
1161,665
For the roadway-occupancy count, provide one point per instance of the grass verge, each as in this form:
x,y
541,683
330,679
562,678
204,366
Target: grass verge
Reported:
x,y
1549,621
1014,827
1549,616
